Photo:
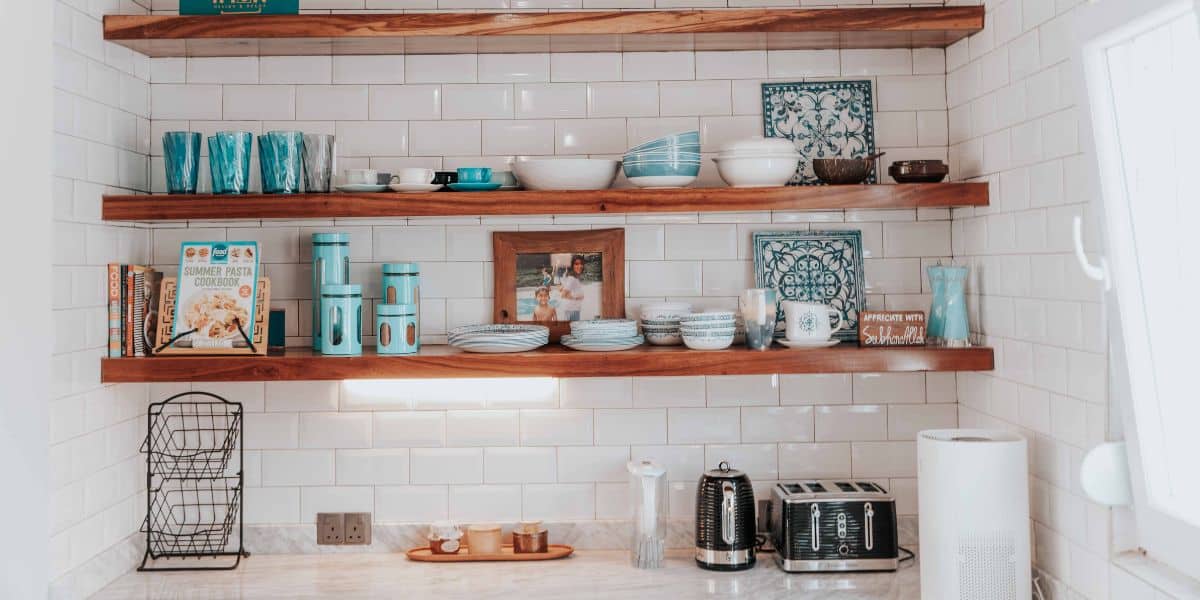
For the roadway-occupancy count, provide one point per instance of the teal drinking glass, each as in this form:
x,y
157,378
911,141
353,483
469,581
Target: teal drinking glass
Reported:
x,y
229,161
957,330
279,157
935,327
181,149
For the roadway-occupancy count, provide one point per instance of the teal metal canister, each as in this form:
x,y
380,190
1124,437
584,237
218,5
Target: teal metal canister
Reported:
x,y
341,320
396,329
331,266
402,285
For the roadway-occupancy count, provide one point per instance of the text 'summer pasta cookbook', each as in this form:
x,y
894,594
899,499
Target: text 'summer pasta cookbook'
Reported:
x,y
216,295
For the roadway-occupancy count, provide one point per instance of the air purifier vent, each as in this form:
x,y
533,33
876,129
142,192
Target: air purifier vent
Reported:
x,y
987,567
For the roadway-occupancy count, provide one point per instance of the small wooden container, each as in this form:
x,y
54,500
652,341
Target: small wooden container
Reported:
x,y
530,543
483,539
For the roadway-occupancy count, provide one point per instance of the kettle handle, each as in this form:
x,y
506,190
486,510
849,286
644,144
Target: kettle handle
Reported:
x,y
728,515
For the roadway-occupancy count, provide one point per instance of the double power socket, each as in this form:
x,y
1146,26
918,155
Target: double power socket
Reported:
x,y
336,529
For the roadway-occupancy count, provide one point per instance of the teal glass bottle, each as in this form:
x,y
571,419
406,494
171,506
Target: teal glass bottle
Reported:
x,y
331,265
341,320
936,325
956,332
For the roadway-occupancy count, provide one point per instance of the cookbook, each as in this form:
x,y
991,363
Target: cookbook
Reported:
x,y
216,294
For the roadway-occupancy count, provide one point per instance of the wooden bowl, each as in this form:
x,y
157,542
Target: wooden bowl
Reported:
x,y
840,171
918,171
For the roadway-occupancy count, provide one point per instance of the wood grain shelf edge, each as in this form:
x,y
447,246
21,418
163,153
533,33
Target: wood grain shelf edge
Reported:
x,y
551,361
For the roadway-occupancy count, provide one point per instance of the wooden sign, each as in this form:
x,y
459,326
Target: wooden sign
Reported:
x,y
891,328
166,321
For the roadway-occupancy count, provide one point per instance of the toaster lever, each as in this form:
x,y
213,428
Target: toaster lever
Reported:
x,y
815,513
728,515
869,530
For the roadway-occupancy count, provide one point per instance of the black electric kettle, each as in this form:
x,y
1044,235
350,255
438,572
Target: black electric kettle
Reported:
x,y
724,520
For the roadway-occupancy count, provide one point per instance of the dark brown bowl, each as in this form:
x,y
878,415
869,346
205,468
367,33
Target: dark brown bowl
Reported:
x,y
918,171
840,171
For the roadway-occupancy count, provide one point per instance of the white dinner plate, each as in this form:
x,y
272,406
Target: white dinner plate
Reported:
x,y
808,343
358,188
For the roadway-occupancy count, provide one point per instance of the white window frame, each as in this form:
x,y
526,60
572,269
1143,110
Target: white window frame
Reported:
x,y
1098,27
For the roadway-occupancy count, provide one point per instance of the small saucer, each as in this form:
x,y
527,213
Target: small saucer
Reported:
x,y
474,187
808,343
357,188
415,187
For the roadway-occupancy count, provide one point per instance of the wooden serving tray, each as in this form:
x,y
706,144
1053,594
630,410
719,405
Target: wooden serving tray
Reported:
x,y
553,551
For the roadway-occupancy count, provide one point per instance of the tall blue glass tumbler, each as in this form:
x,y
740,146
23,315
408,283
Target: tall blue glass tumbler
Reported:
x,y
229,161
181,150
279,158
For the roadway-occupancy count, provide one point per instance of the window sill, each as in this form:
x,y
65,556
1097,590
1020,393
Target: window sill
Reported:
x,y
1163,578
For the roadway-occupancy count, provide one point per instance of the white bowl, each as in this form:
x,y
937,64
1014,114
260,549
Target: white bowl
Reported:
x,y
757,171
759,144
663,339
566,173
662,181
707,343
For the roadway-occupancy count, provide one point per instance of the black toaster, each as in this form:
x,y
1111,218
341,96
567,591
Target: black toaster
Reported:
x,y
833,526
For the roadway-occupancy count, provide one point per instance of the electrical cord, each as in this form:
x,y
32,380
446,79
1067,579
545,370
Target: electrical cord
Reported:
x,y
911,555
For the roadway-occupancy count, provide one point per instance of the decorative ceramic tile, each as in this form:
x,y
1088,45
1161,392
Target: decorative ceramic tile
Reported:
x,y
825,119
814,266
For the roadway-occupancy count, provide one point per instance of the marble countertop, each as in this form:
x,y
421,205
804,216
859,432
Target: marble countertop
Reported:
x,y
588,574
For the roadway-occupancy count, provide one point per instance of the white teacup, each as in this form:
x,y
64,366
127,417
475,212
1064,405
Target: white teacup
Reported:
x,y
810,320
361,177
414,175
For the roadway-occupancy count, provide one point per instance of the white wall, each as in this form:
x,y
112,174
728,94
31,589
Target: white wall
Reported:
x,y
25,161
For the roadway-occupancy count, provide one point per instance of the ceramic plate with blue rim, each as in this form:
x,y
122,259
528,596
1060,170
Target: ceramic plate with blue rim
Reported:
x,y
814,266
474,187
824,119
602,344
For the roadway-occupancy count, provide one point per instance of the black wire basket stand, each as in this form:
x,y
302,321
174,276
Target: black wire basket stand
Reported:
x,y
194,483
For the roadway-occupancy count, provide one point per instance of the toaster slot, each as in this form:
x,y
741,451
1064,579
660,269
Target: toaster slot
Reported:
x,y
846,486
867,486
815,487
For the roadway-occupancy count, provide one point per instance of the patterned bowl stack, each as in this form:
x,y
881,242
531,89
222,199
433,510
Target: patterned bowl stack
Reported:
x,y
603,335
498,338
660,322
713,330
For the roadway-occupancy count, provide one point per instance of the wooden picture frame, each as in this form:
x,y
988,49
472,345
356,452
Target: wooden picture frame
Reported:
x,y
609,244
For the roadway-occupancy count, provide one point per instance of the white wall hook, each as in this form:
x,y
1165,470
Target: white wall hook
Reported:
x,y
1097,273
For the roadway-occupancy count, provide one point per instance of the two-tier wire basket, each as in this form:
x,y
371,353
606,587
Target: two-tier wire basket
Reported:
x,y
194,484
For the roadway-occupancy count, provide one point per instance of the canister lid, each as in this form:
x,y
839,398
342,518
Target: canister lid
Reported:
x,y
331,238
408,268
341,289
396,310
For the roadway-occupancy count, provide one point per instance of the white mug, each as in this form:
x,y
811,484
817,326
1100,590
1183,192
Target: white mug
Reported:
x,y
413,175
361,177
810,320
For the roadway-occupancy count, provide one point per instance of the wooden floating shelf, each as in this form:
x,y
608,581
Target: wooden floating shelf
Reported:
x,y
556,31
613,201
550,361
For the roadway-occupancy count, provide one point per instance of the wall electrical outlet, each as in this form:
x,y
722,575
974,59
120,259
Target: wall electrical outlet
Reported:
x,y
331,529
358,528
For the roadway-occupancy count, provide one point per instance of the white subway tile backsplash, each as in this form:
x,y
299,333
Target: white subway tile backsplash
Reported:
x,y
889,388
185,101
386,466
593,463
292,396
657,66
440,68
518,137
814,461
815,389
315,500
589,136
850,423
373,69
777,424
496,68
482,427
559,501
663,392
695,98
400,102
905,420
445,138
596,392
743,390
272,431
446,465
876,62
550,100
297,467
520,465
483,503
632,99
743,64
884,459
258,103
373,138
758,461
410,504
585,66
559,427
630,426
665,278
331,102
703,425
409,429
272,505
477,101
295,69
335,430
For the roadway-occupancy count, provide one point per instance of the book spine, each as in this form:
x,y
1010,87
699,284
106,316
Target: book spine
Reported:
x,y
114,310
124,298
129,296
139,312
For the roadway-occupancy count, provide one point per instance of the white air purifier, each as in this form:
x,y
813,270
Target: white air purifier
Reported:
x,y
974,517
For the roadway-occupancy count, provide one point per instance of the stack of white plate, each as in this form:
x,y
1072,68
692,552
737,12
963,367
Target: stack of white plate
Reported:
x,y
708,330
660,322
498,338
603,335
